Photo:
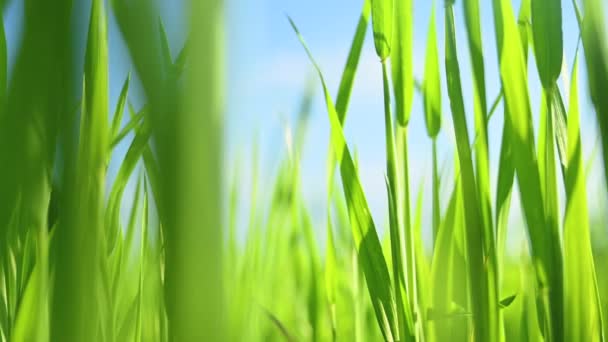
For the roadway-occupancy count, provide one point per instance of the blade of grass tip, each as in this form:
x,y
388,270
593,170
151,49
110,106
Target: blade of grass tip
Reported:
x,y
402,60
582,305
364,232
484,288
382,24
431,90
596,56
120,107
544,237
350,69
81,248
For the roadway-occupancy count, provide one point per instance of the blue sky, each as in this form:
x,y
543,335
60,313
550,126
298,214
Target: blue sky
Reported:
x,y
267,71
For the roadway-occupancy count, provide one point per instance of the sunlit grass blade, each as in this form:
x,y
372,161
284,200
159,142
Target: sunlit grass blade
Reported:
x,y
544,236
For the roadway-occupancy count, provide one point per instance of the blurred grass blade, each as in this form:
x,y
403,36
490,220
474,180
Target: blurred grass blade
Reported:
x,y
81,241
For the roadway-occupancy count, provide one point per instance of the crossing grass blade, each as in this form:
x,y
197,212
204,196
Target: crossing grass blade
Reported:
x,y
583,320
485,298
364,232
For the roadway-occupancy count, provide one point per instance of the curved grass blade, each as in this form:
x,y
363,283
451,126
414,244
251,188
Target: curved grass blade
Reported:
x,y
364,232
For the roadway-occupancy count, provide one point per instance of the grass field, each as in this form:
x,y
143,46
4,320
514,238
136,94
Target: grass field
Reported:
x,y
183,265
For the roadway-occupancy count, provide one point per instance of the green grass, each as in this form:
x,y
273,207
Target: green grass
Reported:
x,y
179,267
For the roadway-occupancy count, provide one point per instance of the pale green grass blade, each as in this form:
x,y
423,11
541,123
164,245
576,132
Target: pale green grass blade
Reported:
x,y
484,288
382,24
364,232
583,321
402,70
544,238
